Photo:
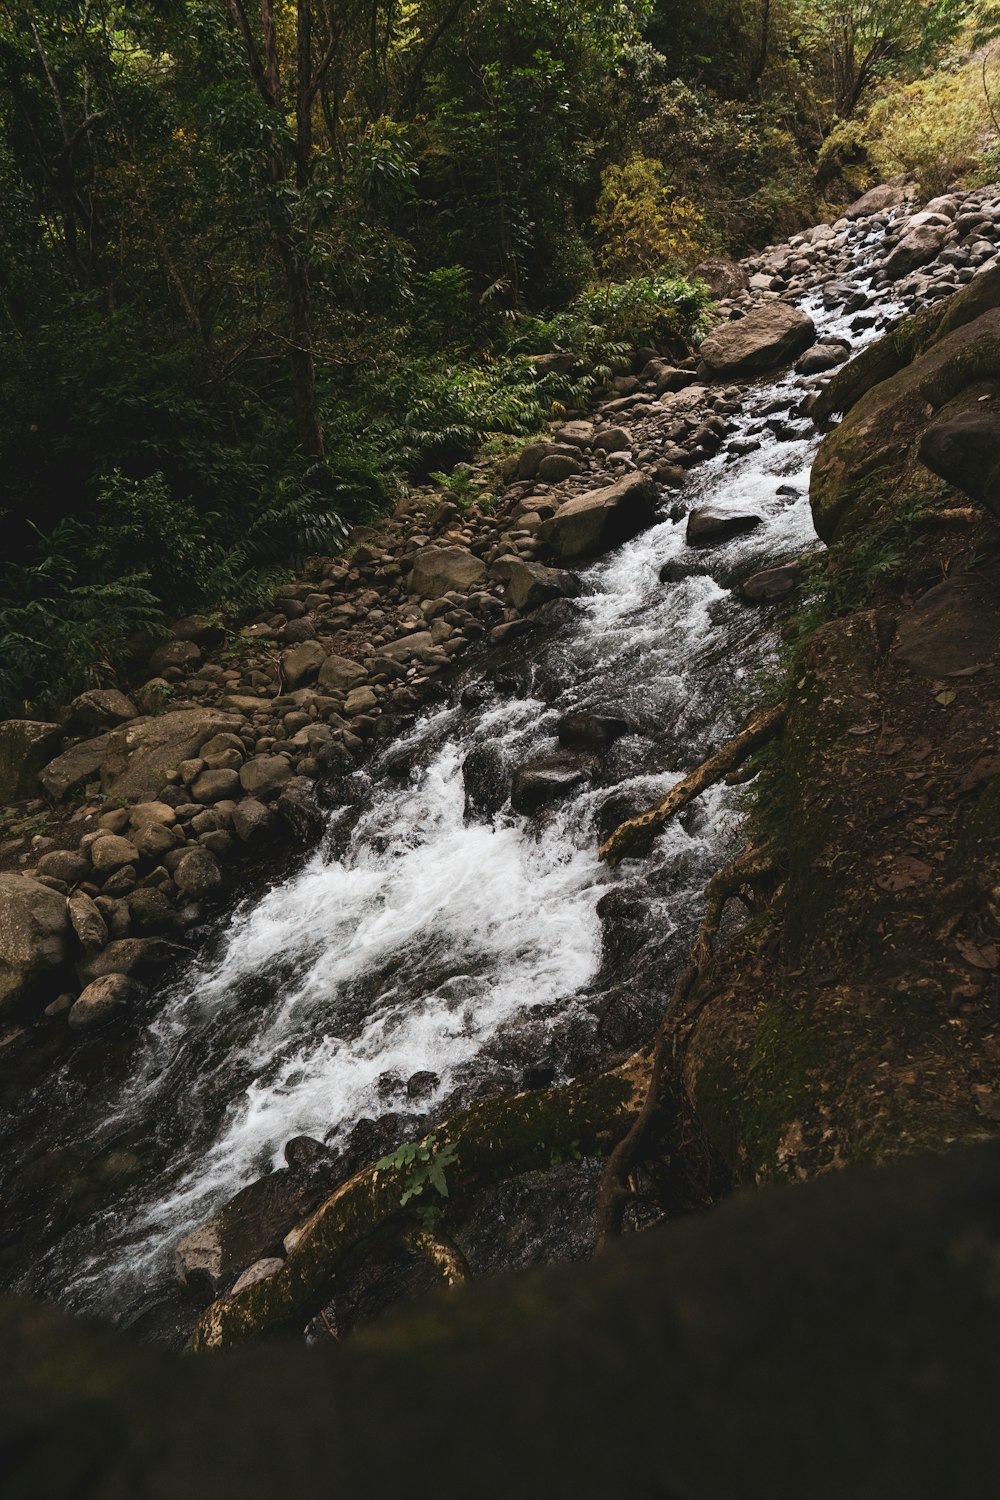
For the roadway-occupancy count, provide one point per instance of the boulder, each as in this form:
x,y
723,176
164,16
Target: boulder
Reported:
x,y
711,523
541,782
204,630
556,467
952,630
302,663
878,200
75,767
247,1229
822,357
67,865
141,754
87,922
265,774
586,731
215,786
339,674
486,775
613,440
723,277
198,874
408,646
530,584
145,814
915,249
34,935
26,745
103,1000
111,852
259,1271
98,709
439,570
129,955
962,445
772,335
361,700
178,656
771,584
601,519
253,823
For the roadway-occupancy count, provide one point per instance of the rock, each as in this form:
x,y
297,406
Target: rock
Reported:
x,y
540,782
111,852
178,655
103,1000
128,955
586,731
962,445
146,814
302,663
198,874
153,840
878,200
439,570
215,786
613,440
141,754
204,630
87,922
64,864
601,519
771,583
26,745
486,775
151,911
75,767
770,335
952,629
361,700
252,822
259,1271
556,467
247,1229
34,935
580,434
100,708
530,584
408,646
421,1085
725,278
710,523
822,357
915,249
339,674
265,774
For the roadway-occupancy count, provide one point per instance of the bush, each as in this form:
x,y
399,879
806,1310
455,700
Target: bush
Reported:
x,y
643,224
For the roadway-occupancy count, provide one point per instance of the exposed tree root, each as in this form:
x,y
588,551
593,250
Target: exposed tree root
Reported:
x,y
442,1253
488,1143
629,836
614,1193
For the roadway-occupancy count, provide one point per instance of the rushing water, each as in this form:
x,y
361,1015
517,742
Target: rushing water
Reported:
x,y
434,936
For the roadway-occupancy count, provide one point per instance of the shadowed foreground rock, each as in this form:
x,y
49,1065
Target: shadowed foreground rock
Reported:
x,y
830,1340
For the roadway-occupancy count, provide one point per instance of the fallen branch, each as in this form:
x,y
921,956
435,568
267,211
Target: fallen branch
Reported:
x,y
614,1194
483,1146
763,726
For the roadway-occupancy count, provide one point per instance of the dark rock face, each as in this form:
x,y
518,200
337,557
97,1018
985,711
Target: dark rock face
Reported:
x,y
547,780
248,1228
25,747
710,523
487,780
963,445
953,629
583,731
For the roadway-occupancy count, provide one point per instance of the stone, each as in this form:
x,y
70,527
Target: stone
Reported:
x,y
771,335
26,745
878,200
613,440
421,1085
144,814
530,584
178,655
34,935
580,434
153,840
141,754
962,445
439,570
952,629
822,357
723,277
360,701
247,1229
915,249
75,767
771,584
486,776
301,663
111,852
67,865
408,646
151,910
215,786
339,674
587,731
103,1000
253,823
129,955
87,922
198,874
556,467
265,774
204,630
711,523
541,782
98,709
598,520
259,1271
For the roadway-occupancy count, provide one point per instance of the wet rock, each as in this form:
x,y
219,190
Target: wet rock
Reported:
x,y
129,956
601,519
199,874
421,1085
771,583
771,335
586,731
103,1000
298,810
313,1162
265,775
822,357
915,249
259,1271
439,570
26,745
710,523
962,445
98,709
249,1228
87,922
339,674
530,585
486,775
301,663
34,936
549,779
141,754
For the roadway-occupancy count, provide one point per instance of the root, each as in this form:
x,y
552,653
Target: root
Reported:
x,y
629,836
494,1140
614,1193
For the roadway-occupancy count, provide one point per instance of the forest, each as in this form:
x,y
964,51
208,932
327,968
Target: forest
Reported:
x,y
263,267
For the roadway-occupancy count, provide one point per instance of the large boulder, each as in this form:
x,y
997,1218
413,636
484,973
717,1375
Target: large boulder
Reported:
x,y
601,519
100,708
439,570
75,767
723,277
708,524
877,200
25,746
530,585
962,445
952,630
538,783
339,674
772,335
915,249
103,1000
140,755
248,1228
301,663
34,936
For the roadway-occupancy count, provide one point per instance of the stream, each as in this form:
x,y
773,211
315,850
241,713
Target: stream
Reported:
x,y
417,939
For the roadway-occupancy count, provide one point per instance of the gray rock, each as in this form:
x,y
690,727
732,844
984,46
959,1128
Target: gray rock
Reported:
x,y
146,813
962,445
339,674
34,935
98,709
530,584
265,774
64,864
360,701
128,956
26,745
613,440
439,570
710,523
177,655
75,767
770,335
215,786
141,754
103,1000
408,646
726,278
771,583
915,249
252,822
302,663
111,852
601,519
87,922
247,1229
878,200
198,874
555,467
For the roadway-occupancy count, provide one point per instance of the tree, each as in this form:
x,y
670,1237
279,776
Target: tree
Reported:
x,y
862,41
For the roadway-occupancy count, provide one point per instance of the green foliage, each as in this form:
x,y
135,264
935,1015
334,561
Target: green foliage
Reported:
x,y
642,224
421,1166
